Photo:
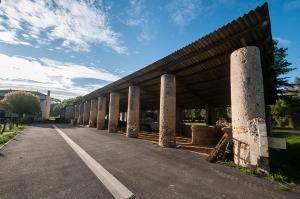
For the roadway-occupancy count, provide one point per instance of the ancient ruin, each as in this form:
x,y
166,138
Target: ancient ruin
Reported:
x,y
231,66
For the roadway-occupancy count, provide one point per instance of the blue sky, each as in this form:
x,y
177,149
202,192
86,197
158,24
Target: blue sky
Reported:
x,y
73,47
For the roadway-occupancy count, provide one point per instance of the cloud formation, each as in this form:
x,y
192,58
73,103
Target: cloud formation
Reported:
x,y
47,74
282,41
75,25
182,12
292,5
138,16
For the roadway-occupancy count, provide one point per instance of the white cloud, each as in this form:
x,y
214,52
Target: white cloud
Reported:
x,y
42,74
183,11
282,41
138,16
77,23
292,5
10,38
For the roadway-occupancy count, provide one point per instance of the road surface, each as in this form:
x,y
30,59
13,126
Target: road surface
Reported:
x,y
41,163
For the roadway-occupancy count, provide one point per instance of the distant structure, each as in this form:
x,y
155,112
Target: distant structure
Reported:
x,y
68,112
45,101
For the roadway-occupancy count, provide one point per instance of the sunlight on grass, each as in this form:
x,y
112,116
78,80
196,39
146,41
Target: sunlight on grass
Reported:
x,y
195,123
285,164
245,170
6,136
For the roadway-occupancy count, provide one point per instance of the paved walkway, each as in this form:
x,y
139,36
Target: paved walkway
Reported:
x,y
39,163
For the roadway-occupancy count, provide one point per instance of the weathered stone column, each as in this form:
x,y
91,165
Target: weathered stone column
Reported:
x,y
93,113
86,112
101,113
80,117
133,116
113,116
76,114
167,119
247,101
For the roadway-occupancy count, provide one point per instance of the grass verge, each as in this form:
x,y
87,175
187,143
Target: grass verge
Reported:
x,y
244,170
6,136
285,164
195,123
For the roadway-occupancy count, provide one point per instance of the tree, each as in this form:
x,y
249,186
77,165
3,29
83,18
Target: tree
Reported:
x,y
281,113
56,108
285,111
293,101
281,67
293,91
22,102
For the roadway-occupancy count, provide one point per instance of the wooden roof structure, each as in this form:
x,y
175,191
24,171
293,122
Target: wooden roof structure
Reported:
x,y
202,68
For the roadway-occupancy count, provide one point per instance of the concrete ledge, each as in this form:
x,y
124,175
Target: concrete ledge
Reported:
x,y
277,143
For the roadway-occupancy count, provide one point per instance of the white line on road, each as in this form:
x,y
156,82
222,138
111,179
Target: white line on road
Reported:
x,y
116,188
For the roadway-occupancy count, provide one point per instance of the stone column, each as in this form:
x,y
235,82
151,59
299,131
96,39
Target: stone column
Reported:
x,y
210,115
167,119
101,113
113,116
247,101
133,116
76,114
86,112
93,113
80,116
123,117
179,121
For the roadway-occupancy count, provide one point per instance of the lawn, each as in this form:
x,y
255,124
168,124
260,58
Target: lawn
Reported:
x,y
195,123
285,164
6,136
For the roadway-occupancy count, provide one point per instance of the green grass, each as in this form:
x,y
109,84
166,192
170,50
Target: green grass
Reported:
x,y
6,136
195,123
245,170
285,164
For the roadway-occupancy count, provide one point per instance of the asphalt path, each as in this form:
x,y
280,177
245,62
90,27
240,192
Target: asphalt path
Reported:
x,y
39,163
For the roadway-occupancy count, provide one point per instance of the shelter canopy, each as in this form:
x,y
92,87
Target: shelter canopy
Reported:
x,y
202,68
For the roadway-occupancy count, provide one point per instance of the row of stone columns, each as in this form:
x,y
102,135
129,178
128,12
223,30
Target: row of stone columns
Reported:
x,y
247,98
93,112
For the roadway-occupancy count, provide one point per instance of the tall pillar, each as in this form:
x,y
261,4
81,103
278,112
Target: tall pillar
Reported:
x,y
80,116
123,117
248,106
113,116
167,119
76,117
101,113
133,116
86,112
93,113
179,120
211,117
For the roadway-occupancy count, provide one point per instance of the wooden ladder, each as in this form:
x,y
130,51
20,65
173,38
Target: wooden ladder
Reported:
x,y
219,152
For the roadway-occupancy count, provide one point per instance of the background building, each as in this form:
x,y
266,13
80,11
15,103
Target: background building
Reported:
x,y
45,102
